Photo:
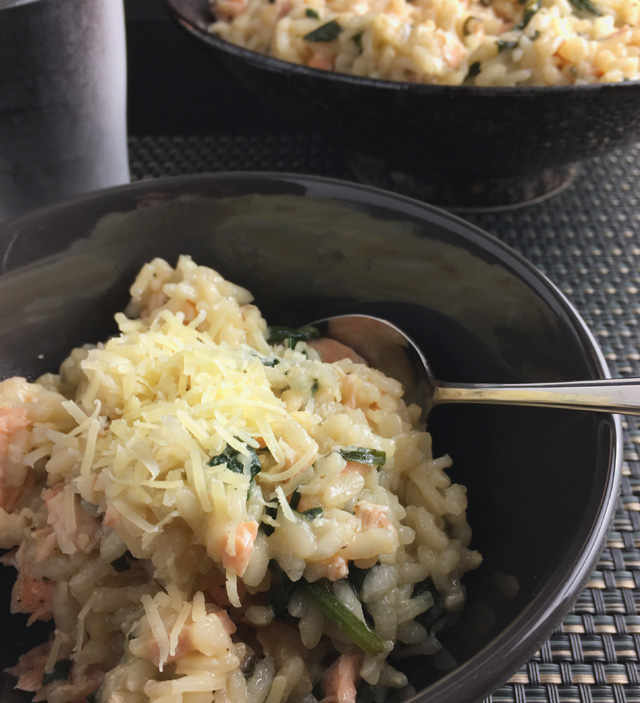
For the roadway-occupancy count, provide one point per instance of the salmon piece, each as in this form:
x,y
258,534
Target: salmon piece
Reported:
x,y
356,467
373,515
335,568
227,622
330,350
284,7
15,480
86,535
189,310
245,537
230,8
29,594
453,51
156,300
324,63
30,668
339,680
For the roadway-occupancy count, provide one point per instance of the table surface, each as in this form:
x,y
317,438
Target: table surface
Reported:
x,y
586,240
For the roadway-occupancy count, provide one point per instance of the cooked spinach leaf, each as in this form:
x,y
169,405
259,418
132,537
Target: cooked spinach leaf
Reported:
x,y
272,512
311,513
586,6
504,44
281,593
325,33
293,335
236,461
370,457
474,69
530,9
356,630
122,563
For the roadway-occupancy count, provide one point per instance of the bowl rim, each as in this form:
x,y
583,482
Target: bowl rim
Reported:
x,y
501,656
276,65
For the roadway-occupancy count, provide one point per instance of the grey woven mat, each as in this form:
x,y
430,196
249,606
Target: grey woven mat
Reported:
x,y
587,241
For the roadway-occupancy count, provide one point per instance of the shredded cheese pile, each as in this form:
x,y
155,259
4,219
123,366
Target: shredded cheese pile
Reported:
x,y
167,399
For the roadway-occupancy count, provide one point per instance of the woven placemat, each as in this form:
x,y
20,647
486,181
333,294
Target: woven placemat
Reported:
x,y
587,241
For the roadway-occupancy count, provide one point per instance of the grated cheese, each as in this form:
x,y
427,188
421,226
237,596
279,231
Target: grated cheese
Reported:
x,y
286,508
129,514
90,446
80,629
309,456
174,635
157,628
175,398
76,412
196,476
52,658
232,588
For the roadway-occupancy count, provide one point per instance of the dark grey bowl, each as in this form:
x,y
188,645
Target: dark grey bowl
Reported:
x,y
453,145
542,483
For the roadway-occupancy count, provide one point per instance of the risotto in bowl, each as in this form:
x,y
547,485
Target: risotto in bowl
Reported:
x,y
203,501
477,104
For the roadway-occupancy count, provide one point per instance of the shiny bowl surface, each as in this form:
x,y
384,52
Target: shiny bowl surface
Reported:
x,y
542,484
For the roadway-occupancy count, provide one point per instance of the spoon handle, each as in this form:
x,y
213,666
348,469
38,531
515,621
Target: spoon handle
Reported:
x,y
616,395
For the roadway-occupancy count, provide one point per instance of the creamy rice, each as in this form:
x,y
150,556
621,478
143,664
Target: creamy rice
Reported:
x,y
213,510
449,42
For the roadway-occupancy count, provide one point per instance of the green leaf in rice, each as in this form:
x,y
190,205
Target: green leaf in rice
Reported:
x,y
281,593
310,12
311,513
356,630
295,500
60,672
272,512
122,563
237,462
474,70
325,33
531,7
586,6
356,576
293,335
504,45
369,457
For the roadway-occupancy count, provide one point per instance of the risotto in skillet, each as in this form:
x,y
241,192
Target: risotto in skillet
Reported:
x,y
213,510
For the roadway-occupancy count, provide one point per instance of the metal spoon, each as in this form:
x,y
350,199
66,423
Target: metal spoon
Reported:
x,y
387,348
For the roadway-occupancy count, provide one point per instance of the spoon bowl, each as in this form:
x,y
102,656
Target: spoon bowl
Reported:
x,y
386,347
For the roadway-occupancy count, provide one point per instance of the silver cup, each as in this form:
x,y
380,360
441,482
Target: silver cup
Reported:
x,y
62,100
